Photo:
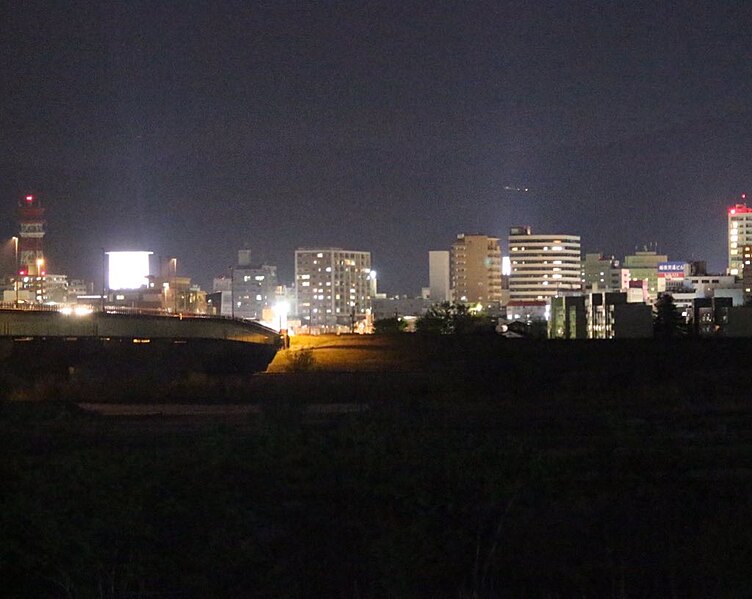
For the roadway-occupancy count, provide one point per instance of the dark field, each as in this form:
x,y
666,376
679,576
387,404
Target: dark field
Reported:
x,y
391,467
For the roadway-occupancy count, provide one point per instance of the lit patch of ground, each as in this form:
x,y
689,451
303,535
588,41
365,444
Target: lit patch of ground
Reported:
x,y
334,353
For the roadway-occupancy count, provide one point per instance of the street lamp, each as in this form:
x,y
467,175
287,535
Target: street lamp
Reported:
x,y
281,310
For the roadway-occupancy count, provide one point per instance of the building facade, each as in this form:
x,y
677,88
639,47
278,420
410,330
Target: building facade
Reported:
x,y
333,286
438,276
739,235
543,266
475,269
747,271
643,266
599,315
601,273
249,290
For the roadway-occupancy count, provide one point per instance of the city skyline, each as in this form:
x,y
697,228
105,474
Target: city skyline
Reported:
x,y
196,131
10,258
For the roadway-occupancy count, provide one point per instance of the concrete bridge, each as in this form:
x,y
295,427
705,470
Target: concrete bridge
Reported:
x,y
133,341
131,325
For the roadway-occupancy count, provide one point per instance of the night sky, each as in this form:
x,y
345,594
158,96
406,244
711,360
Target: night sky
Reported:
x,y
196,128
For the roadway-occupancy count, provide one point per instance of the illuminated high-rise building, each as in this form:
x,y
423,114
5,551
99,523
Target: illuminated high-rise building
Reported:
x,y
739,235
475,269
333,286
543,266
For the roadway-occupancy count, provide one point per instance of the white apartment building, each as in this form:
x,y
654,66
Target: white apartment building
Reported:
x,y
739,235
332,285
543,266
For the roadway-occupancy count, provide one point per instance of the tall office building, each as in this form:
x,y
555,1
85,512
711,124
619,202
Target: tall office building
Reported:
x,y
438,276
739,235
543,266
475,269
332,285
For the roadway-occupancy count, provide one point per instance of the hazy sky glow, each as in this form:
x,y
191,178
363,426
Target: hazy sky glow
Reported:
x,y
192,129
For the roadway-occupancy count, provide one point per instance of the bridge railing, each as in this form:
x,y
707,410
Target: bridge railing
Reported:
x,y
119,310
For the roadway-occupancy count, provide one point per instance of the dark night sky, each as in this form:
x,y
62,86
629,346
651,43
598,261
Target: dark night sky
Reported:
x,y
195,128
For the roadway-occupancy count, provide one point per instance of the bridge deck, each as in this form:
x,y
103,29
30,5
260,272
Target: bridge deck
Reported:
x,y
46,324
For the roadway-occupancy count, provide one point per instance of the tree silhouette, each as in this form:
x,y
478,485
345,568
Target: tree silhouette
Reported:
x,y
451,318
667,321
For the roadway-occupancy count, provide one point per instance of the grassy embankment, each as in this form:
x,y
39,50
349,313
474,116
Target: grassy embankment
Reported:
x,y
481,468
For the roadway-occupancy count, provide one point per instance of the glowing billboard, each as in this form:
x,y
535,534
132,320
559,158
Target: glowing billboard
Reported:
x,y
127,270
672,270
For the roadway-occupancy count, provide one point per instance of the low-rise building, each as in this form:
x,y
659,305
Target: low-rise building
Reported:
x,y
399,306
601,273
599,315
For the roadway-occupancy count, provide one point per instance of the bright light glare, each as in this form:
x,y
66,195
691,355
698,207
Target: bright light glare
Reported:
x,y
506,265
128,270
76,310
281,310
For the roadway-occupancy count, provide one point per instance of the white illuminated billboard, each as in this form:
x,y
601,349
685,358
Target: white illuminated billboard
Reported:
x,y
128,270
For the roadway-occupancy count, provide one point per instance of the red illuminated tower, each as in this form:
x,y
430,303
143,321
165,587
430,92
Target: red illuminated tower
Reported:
x,y
31,264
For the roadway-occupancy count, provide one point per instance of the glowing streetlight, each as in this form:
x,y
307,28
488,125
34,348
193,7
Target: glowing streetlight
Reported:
x,y
281,309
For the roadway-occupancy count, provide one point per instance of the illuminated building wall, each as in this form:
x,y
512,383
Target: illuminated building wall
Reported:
x,y
643,266
253,290
746,250
601,272
543,266
438,276
475,269
739,235
332,285
249,290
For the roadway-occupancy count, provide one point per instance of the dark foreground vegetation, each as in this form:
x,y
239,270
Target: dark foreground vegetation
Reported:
x,y
477,468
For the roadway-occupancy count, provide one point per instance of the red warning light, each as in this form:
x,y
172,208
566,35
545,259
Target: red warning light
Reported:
x,y
22,272
44,272
732,211
744,196
30,198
